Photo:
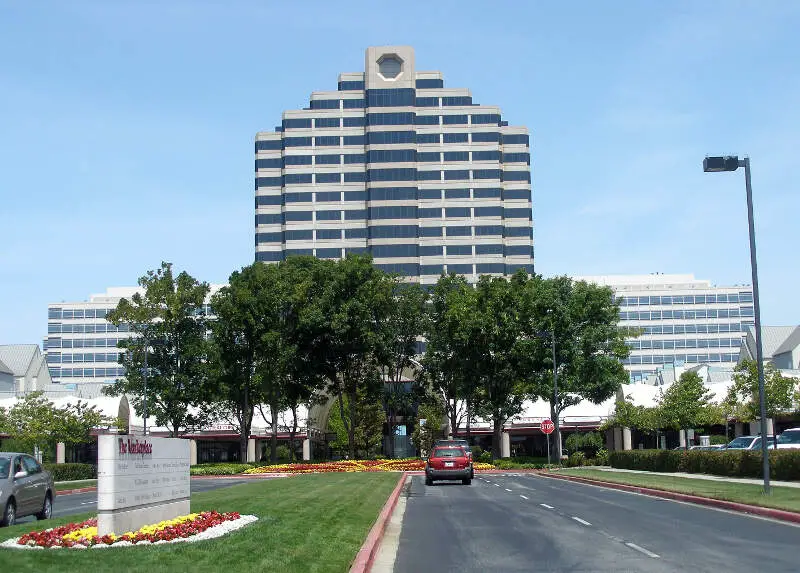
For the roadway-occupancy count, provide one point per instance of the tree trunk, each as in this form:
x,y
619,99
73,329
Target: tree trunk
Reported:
x,y
453,415
292,433
469,421
351,432
392,425
244,427
497,437
273,438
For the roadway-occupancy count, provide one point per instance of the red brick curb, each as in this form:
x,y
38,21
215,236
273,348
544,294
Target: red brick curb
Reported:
x,y
779,514
366,555
77,490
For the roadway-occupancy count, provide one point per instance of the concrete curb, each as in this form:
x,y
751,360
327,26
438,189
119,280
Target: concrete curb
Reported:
x,y
778,514
366,555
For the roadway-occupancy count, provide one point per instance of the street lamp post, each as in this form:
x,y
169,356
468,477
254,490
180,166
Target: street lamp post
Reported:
x,y
555,398
732,163
144,409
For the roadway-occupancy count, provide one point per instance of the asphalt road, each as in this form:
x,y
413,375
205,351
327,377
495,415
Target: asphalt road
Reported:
x,y
523,523
73,503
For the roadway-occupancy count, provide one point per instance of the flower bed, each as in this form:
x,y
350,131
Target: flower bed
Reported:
x,y
194,526
406,465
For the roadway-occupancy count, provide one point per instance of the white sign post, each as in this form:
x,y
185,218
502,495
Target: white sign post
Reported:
x,y
140,480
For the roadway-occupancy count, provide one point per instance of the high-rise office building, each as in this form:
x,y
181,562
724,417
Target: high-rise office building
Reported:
x,y
396,165
682,320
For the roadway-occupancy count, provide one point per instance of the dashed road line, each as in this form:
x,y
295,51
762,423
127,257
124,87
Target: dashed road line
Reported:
x,y
579,520
497,485
508,489
643,550
523,496
547,506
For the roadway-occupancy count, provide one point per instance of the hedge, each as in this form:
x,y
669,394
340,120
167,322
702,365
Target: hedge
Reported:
x,y
784,464
71,472
219,469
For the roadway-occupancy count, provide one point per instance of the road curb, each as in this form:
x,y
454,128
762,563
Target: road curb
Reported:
x,y
366,555
77,490
778,514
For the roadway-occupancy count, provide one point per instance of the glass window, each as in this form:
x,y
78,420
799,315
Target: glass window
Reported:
x,y
31,465
429,175
485,137
394,97
329,234
354,195
511,269
352,103
269,219
515,139
517,250
393,232
460,269
403,269
456,155
431,250
304,123
459,231
394,212
486,118
455,137
453,212
297,160
430,193
517,176
392,118
393,194
355,214
292,216
517,158
459,250
355,177
394,250
523,213
426,120
329,253
351,158
275,163
353,121
351,85
298,235
454,119
297,142
297,197
427,83
428,156
327,196
353,140
325,103
430,231
299,252
486,156
427,102
391,155
390,137
268,182
428,138
326,122
518,232
488,211
490,268
262,238
516,194
456,174
268,200
456,194
297,178
431,269
430,212
490,193
326,141
457,100
493,249
488,230
400,174
486,174
329,215
329,177
360,233
268,145
355,250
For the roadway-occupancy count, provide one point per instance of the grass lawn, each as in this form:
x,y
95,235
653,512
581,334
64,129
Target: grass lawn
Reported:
x,y
61,486
782,497
307,524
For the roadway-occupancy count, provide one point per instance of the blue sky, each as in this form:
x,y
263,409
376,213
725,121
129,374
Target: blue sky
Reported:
x,y
126,130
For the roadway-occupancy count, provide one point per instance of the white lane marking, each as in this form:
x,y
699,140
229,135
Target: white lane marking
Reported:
x,y
523,496
497,485
579,520
508,489
642,550
88,502
547,506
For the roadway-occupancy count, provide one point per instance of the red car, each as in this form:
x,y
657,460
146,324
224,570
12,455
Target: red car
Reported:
x,y
448,463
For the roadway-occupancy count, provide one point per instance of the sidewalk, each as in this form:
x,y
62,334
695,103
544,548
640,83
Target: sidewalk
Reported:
x,y
754,481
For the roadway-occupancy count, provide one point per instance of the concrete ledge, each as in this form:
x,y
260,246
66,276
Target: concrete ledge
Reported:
x,y
366,555
780,514
131,519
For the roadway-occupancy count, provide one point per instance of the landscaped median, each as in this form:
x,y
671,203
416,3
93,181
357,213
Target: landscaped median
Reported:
x,y
352,466
317,523
786,499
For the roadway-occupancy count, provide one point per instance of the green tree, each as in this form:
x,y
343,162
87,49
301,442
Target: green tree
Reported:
x,y
367,431
74,423
687,404
589,344
431,417
31,422
169,324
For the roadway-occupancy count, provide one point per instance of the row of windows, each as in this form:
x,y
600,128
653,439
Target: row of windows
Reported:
x,y
685,343
429,83
391,138
351,85
390,194
406,212
55,328
745,311
88,357
87,372
58,313
323,122
334,103
83,343
393,156
691,358
396,231
686,299
393,174
695,328
414,250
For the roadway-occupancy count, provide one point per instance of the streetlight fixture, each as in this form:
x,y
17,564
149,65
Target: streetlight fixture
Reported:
x,y
732,163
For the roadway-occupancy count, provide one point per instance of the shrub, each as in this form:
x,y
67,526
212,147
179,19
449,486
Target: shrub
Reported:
x,y
587,442
282,453
71,472
576,459
718,439
219,469
601,459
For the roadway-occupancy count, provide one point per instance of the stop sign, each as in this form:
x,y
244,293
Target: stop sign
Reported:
x,y
547,426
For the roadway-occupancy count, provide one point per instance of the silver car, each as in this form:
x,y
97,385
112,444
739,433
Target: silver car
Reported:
x,y
25,488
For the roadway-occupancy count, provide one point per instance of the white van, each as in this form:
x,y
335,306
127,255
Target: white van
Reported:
x,y
789,439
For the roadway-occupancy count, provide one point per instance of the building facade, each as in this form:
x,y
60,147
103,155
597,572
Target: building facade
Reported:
x,y
682,320
396,165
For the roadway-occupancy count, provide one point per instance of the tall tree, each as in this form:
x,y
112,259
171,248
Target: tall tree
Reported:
x,y
169,323
687,403
581,320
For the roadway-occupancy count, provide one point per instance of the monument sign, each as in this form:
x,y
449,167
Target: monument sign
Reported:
x,y
140,480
